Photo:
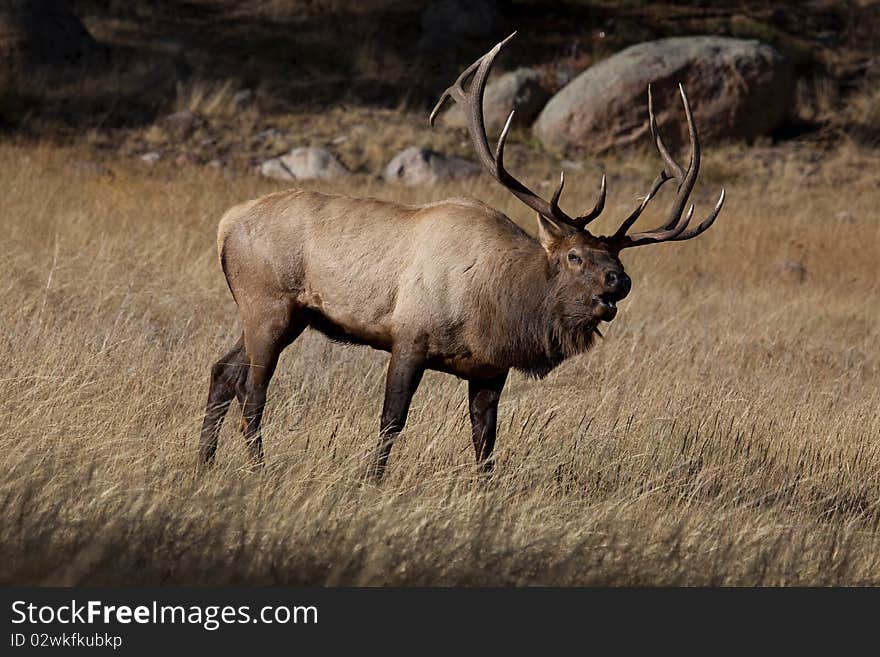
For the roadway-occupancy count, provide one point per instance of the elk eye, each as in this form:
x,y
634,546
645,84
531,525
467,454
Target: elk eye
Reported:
x,y
574,258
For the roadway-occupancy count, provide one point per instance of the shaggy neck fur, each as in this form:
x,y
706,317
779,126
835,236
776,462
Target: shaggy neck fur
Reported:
x,y
534,325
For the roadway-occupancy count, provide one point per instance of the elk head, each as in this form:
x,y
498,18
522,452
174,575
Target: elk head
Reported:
x,y
589,278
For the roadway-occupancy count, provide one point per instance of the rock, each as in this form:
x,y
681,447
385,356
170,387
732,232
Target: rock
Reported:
x,y
181,125
422,166
739,89
470,19
520,90
305,163
39,34
151,158
274,169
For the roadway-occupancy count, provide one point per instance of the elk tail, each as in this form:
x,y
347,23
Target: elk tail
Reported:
x,y
225,270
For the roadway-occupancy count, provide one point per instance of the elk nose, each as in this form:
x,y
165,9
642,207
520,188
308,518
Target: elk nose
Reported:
x,y
618,284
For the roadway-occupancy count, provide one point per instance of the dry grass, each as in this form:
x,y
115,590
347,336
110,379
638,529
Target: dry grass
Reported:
x,y
862,113
207,98
725,432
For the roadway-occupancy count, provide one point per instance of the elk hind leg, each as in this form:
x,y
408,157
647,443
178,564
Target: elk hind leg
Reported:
x,y
227,374
483,398
265,337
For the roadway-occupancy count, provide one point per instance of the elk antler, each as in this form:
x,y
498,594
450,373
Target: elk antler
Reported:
x,y
674,228
472,102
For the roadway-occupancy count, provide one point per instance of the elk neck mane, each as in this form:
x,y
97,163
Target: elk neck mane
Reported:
x,y
524,317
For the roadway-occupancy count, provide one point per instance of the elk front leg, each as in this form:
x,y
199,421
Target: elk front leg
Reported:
x,y
404,374
483,397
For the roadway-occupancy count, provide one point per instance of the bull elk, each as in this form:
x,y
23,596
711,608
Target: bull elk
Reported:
x,y
453,286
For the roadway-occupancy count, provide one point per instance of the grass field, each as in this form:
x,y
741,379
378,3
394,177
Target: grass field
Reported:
x,y
726,431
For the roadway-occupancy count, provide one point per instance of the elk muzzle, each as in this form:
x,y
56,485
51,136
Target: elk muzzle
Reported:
x,y
617,286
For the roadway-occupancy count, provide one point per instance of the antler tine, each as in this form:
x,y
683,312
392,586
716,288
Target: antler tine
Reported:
x,y
455,91
708,221
694,164
554,200
472,101
673,168
505,178
659,181
655,236
585,219
499,149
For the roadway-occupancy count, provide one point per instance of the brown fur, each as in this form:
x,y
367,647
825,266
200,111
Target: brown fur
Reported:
x,y
485,293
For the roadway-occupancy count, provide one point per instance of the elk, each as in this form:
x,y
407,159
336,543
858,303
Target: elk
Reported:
x,y
453,286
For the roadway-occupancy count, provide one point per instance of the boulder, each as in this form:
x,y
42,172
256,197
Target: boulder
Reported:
x,y
520,90
739,89
41,34
422,166
304,163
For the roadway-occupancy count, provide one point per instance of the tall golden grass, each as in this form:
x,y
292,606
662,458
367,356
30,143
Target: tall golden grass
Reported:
x,y
726,431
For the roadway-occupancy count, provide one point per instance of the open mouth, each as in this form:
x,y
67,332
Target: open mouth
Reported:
x,y
606,307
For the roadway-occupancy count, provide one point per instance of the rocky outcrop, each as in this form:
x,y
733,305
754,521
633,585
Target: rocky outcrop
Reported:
x,y
304,163
422,166
739,89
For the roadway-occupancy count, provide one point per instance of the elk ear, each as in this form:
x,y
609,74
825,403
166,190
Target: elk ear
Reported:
x,y
549,233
